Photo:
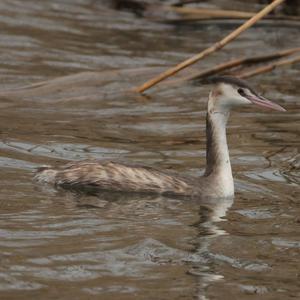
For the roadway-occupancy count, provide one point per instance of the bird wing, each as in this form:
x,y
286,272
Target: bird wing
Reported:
x,y
116,176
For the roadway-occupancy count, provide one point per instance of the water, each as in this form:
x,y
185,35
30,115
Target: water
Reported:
x,y
55,244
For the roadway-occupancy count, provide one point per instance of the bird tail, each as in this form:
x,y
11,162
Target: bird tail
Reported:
x,y
45,175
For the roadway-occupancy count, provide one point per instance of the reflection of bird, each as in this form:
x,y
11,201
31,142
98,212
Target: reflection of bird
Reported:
x,y
228,92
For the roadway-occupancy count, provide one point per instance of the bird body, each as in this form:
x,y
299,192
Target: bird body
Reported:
x,y
217,180
115,176
104,175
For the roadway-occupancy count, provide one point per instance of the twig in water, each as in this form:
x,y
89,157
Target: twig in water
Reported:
x,y
211,49
269,67
241,61
195,13
210,13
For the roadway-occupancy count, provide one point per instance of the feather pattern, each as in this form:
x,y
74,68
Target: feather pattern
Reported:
x,y
115,176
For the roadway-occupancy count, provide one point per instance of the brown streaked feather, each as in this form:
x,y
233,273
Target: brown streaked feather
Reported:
x,y
115,176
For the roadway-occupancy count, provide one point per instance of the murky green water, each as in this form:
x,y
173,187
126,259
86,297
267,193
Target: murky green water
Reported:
x,y
57,245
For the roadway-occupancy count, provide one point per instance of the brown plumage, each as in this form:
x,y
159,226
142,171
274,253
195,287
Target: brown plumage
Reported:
x,y
115,176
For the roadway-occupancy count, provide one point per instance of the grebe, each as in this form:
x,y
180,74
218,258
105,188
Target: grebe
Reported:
x,y
217,181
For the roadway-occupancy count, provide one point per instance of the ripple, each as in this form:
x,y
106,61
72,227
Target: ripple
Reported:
x,y
286,243
66,71
8,282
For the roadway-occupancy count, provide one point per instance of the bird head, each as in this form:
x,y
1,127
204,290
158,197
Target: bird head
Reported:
x,y
230,92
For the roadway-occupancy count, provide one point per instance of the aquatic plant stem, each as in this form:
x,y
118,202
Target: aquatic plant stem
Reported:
x,y
210,13
212,49
240,62
269,67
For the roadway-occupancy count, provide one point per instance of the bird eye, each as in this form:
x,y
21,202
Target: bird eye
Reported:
x,y
241,92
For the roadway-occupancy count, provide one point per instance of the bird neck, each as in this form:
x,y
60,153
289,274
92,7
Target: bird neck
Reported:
x,y
218,165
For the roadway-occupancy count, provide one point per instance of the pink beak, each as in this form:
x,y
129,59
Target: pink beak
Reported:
x,y
261,101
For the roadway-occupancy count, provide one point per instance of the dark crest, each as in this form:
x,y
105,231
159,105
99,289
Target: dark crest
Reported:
x,y
239,83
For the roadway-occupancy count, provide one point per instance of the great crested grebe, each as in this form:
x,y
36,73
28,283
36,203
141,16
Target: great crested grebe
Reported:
x,y
227,93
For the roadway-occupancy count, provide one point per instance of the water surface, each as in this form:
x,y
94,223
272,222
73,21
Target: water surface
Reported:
x,y
83,56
